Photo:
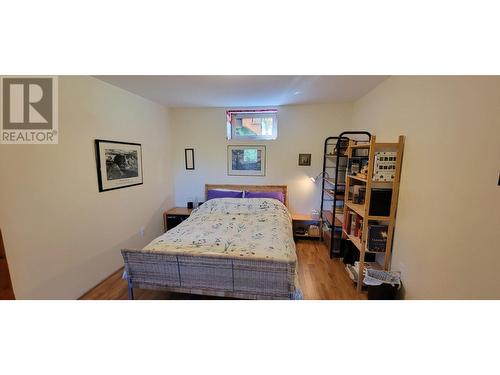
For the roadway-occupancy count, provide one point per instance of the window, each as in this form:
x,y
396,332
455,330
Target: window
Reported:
x,y
252,124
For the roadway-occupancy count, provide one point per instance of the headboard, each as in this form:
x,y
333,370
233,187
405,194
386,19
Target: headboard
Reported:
x,y
253,188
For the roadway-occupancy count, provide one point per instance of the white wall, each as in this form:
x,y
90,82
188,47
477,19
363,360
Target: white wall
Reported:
x,y
302,129
448,222
61,235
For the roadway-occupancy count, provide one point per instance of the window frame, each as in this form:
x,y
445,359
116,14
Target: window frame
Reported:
x,y
251,113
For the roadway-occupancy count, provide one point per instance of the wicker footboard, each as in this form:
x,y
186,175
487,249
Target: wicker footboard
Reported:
x,y
210,275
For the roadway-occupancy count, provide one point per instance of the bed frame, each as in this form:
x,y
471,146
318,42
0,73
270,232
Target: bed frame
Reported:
x,y
252,188
213,275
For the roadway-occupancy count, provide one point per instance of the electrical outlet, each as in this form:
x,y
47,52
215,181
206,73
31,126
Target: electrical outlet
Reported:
x,y
141,232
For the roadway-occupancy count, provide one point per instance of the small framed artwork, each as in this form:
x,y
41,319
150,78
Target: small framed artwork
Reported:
x,y
119,164
246,160
304,159
189,158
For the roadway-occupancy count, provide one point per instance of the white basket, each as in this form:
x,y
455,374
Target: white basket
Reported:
x,y
377,277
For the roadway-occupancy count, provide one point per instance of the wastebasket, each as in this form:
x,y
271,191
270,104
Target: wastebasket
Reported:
x,y
382,284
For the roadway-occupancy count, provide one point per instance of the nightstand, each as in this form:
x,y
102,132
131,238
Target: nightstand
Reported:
x,y
300,225
175,216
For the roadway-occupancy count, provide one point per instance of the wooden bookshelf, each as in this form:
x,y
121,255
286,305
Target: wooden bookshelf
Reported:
x,y
356,241
358,178
360,145
363,209
358,208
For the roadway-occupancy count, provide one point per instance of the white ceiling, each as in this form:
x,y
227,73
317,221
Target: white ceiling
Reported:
x,y
240,91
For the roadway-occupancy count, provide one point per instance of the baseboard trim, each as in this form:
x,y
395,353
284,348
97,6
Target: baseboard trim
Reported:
x,y
100,282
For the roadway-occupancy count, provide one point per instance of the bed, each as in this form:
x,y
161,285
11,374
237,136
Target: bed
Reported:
x,y
228,247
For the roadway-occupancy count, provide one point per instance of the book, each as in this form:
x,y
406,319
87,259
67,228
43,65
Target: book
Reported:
x,y
352,228
359,227
356,225
377,238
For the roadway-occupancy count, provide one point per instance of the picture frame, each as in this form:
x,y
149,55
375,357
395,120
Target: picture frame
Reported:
x,y
304,160
247,160
189,158
119,164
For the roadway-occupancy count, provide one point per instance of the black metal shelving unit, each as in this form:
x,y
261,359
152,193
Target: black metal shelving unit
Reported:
x,y
333,186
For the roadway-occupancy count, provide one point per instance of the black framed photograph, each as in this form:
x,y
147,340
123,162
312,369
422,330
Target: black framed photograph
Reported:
x,y
246,160
119,164
189,158
304,159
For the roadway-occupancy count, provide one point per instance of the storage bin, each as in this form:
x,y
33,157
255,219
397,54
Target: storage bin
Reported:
x,y
382,292
382,284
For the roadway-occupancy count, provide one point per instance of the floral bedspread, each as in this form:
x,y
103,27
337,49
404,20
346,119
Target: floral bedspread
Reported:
x,y
259,228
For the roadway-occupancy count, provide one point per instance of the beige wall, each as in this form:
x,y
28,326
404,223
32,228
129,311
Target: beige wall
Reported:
x,y
61,235
302,129
448,226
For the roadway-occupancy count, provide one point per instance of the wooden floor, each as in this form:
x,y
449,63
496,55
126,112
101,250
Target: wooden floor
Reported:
x,y
320,277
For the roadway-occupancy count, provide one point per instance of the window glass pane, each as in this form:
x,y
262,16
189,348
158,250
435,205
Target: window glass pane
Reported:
x,y
228,129
254,126
247,126
251,125
267,126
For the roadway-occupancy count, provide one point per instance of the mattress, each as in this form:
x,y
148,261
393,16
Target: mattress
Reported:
x,y
230,247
